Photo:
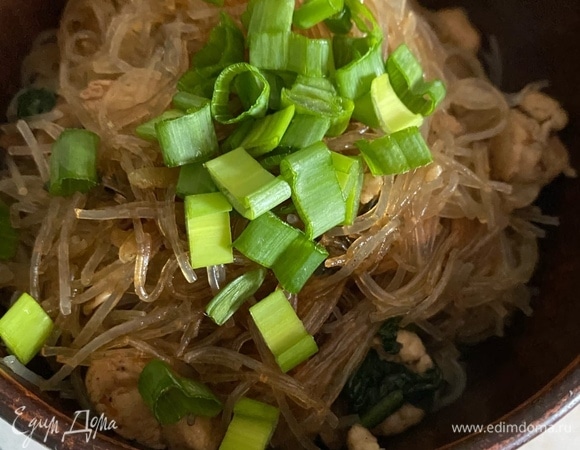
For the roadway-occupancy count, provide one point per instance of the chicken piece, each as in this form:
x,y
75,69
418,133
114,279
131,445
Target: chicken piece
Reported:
x,y
413,353
522,154
453,26
202,434
402,419
544,109
359,438
371,187
112,387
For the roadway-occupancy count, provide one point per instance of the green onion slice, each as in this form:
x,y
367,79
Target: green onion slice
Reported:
x,y
269,50
282,331
234,294
391,112
312,12
354,79
304,130
364,19
194,179
8,235
25,327
252,426
309,57
407,79
224,47
340,23
315,189
395,153
298,262
208,229
73,162
250,188
266,132
187,139
267,16
316,96
265,239
186,101
172,397
350,175
221,106
147,129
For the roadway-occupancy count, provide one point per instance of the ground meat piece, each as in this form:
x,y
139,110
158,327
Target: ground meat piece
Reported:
x,y
112,387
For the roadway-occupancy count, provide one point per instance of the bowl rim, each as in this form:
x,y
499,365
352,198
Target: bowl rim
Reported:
x,y
21,404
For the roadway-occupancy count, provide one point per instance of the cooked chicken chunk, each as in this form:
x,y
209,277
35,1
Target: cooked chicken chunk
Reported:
x,y
405,417
359,438
523,153
202,434
544,109
413,353
112,387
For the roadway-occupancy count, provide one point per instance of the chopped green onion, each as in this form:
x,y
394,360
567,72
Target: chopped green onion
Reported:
x,y
234,294
278,80
194,179
273,159
396,153
236,137
298,262
224,47
147,130
364,111
316,97
199,82
350,174
207,221
187,139
25,327
309,57
407,79
315,189
266,132
340,23
220,101
282,331
252,426
270,50
8,235
73,162
392,114
304,130
269,16
384,408
313,12
250,188
172,397
363,18
34,101
265,239
186,101
354,79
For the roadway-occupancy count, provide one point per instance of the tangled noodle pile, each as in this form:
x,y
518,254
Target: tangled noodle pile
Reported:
x,y
449,246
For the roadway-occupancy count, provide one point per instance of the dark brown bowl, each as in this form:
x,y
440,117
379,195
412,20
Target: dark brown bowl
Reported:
x,y
532,376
